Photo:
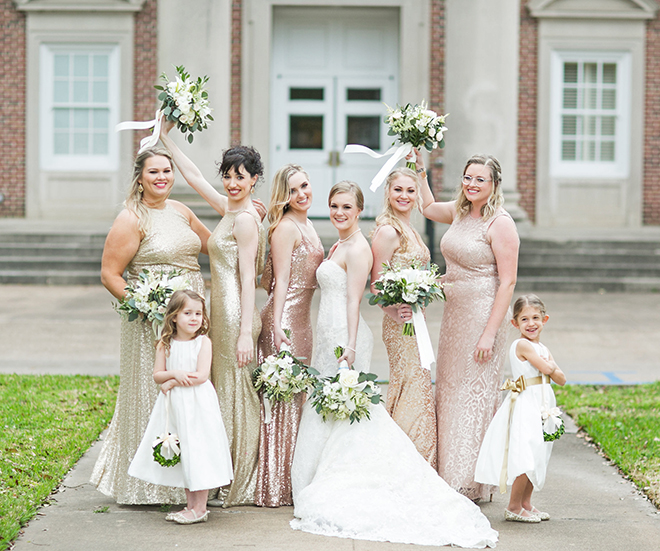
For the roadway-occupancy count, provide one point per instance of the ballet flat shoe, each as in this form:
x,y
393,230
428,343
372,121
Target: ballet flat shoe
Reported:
x,y
515,517
180,519
541,514
170,516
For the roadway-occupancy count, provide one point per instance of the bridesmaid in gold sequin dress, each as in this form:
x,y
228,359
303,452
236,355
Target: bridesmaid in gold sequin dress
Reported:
x,y
481,252
410,394
290,279
237,250
158,234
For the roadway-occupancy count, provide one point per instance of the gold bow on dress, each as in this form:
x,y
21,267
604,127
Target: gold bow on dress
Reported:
x,y
516,387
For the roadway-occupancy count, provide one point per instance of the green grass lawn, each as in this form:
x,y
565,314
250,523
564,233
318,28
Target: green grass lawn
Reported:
x,y
625,423
46,424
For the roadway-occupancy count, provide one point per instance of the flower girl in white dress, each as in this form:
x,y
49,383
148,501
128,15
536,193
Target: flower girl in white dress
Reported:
x,y
514,450
187,408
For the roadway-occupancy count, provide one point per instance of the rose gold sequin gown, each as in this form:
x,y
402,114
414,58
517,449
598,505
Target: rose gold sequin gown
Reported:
x,y
170,243
467,393
410,393
239,403
278,438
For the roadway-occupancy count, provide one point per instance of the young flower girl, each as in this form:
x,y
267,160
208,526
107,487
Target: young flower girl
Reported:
x,y
186,409
517,446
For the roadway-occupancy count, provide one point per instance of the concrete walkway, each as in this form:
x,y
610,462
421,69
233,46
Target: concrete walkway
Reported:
x,y
595,338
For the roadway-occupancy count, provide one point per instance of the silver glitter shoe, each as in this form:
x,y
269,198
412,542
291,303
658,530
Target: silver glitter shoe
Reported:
x,y
514,517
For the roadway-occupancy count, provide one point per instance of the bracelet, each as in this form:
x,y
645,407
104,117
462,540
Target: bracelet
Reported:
x,y
422,173
349,348
420,170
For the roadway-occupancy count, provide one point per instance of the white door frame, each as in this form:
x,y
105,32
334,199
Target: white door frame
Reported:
x,y
414,60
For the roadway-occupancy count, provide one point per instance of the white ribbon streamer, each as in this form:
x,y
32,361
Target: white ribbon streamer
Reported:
x,y
170,441
423,340
397,152
148,141
268,406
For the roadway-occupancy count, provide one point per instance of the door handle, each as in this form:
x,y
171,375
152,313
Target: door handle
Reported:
x,y
333,158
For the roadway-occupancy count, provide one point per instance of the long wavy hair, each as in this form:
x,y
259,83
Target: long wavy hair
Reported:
x,y
528,300
280,195
133,201
496,199
388,216
346,186
177,303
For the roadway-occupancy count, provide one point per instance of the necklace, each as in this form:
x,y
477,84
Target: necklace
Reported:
x,y
347,238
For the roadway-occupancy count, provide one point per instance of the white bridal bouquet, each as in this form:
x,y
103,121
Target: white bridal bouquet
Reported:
x,y
415,126
185,102
347,395
149,296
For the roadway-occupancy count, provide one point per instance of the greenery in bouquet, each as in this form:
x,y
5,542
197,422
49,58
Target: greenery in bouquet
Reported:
x,y
416,125
553,424
414,285
281,376
167,451
185,102
149,296
347,395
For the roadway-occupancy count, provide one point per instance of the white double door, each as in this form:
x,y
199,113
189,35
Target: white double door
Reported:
x,y
333,69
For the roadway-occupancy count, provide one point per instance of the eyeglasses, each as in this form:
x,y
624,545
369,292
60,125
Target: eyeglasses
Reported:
x,y
467,180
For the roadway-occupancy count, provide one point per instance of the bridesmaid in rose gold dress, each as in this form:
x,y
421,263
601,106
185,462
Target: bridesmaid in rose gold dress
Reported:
x,y
290,279
410,394
481,252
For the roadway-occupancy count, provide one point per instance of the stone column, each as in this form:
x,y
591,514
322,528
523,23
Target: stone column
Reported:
x,y
481,89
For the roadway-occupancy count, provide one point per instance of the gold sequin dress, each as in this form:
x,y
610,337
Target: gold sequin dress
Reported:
x,y
467,392
278,438
410,399
238,399
170,243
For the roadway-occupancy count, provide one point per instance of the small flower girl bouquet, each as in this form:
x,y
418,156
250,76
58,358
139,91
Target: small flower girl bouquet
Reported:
x,y
150,295
166,447
553,424
412,285
281,376
417,126
185,102
347,395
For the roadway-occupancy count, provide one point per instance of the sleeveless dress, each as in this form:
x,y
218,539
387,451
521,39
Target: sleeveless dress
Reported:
x,y
194,416
467,392
366,480
528,453
410,399
169,244
238,399
278,438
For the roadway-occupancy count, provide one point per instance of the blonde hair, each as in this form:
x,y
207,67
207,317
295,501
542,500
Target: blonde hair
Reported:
x,y
388,216
176,304
133,201
346,186
528,300
496,199
280,195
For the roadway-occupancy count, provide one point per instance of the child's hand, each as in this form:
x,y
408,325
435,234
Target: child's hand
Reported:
x,y
183,378
167,386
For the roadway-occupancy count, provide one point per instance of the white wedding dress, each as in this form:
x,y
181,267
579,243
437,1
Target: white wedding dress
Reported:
x,y
367,480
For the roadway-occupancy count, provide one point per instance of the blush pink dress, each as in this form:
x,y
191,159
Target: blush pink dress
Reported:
x,y
467,392
277,439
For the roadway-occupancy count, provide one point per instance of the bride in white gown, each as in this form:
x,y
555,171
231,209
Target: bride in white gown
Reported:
x,y
366,480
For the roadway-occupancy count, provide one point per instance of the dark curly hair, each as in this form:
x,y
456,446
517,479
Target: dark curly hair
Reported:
x,y
244,156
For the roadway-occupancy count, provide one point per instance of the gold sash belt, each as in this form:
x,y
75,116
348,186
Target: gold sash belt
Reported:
x,y
516,387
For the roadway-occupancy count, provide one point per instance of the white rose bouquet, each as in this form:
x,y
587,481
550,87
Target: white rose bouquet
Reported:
x,y
416,125
347,395
149,296
282,376
412,285
185,102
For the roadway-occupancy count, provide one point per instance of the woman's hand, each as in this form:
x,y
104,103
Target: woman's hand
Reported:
x,y
419,160
348,355
484,350
244,349
280,337
260,207
400,313
166,126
